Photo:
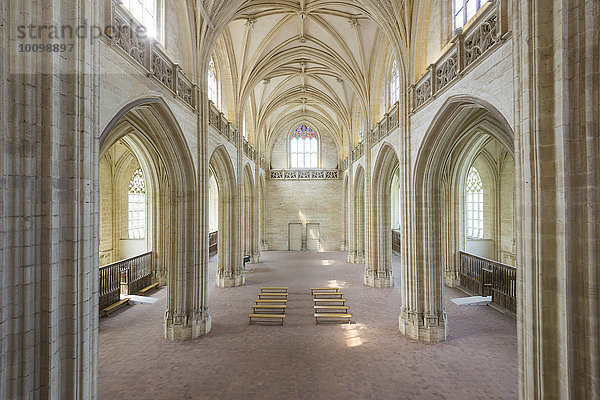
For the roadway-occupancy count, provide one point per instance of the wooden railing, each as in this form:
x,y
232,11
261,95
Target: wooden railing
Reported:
x,y
136,273
396,240
110,285
213,240
124,277
489,278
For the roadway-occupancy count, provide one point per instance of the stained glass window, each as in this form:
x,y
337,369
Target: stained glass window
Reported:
x,y
474,205
137,206
464,10
212,83
394,84
304,148
144,11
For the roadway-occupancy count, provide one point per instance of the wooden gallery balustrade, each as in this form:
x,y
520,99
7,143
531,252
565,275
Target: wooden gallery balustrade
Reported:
x,y
396,241
124,277
489,278
213,240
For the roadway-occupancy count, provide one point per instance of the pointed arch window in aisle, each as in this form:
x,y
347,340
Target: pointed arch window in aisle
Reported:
x,y
137,206
304,148
144,11
212,82
474,205
394,84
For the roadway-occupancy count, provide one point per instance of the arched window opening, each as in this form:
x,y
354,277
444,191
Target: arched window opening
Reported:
x,y
145,12
395,84
304,148
137,206
474,191
464,10
213,200
212,83
395,201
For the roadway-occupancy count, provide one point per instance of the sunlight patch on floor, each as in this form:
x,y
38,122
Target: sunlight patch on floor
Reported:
x,y
352,335
335,283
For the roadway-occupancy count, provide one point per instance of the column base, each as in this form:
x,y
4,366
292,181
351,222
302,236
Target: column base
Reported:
x,y
225,282
255,258
355,258
178,329
429,330
378,282
452,282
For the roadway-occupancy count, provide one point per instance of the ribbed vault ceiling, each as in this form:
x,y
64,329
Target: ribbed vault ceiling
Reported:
x,y
290,59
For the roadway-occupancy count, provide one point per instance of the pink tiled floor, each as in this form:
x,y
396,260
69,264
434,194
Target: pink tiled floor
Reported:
x,y
367,360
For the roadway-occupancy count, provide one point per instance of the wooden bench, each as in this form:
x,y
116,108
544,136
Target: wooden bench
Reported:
x,y
114,306
332,316
271,295
329,301
266,317
273,289
269,308
331,308
323,289
149,288
274,301
328,295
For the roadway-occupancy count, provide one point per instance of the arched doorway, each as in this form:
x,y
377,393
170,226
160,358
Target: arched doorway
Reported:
x,y
359,216
250,225
378,270
229,270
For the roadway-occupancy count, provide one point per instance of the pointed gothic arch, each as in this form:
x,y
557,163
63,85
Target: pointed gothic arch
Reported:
x,y
148,127
378,268
229,270
457,132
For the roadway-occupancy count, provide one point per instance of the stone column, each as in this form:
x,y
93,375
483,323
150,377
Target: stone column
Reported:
x,y
423,315
351,212
49,200
557,119
237,257
187,315
256,212
370,268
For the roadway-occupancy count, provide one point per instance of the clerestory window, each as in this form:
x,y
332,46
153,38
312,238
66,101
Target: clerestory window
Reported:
x,y
213,93
464,10
145,12
394,84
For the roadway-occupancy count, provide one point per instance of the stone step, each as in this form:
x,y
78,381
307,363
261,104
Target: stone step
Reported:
x,y
472,301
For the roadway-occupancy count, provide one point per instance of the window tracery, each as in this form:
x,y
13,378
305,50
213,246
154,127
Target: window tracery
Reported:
x,y
304,148
474,191
137,205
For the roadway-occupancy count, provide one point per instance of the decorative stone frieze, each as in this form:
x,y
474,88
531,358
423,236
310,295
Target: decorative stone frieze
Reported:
x,y
304,174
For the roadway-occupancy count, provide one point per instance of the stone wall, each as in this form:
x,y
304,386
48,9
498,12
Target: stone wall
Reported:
x,y
292,201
